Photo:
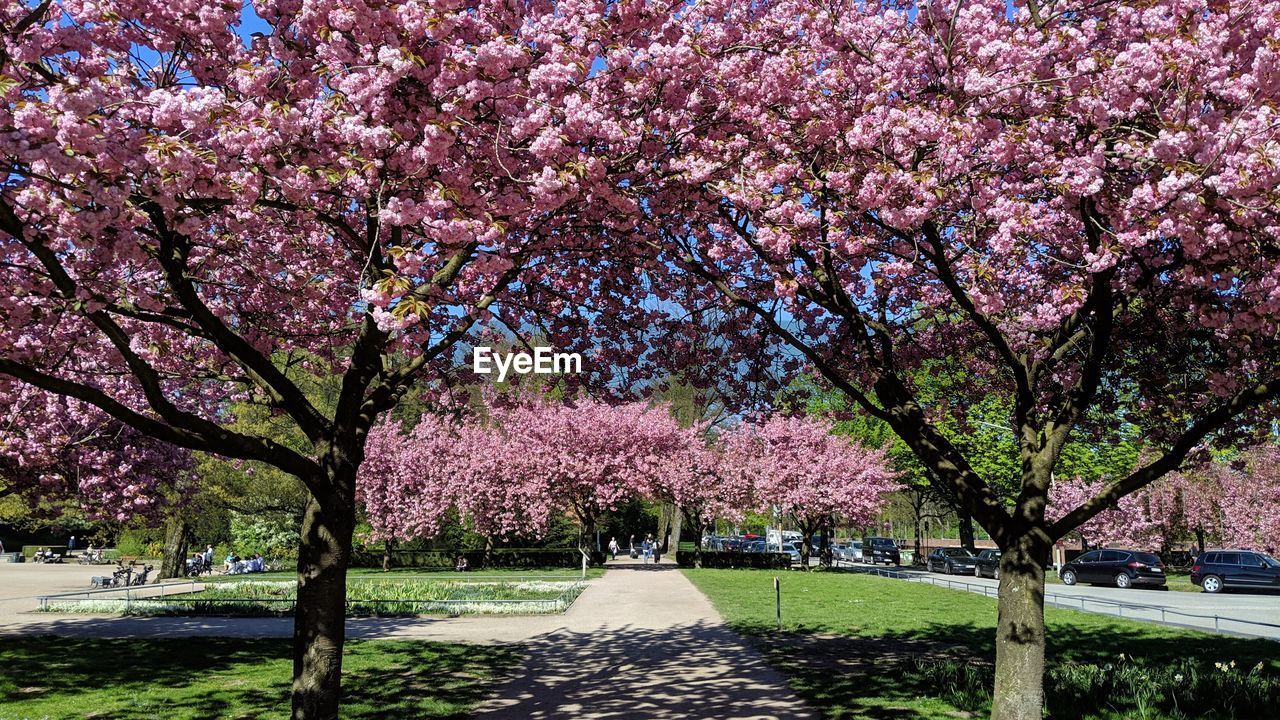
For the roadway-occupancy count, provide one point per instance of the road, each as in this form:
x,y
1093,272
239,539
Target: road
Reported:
x,y
1235,613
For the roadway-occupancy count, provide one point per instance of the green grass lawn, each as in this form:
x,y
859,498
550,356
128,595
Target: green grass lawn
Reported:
x,y
177,679
851,641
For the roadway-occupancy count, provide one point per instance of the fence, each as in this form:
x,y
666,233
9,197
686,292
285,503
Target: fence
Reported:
x,y
1148,613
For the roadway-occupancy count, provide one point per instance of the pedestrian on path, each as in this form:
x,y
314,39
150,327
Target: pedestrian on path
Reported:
x,y
647,547
613,548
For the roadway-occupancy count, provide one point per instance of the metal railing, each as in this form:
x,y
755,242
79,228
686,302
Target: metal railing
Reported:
x,y
1115,608
130,591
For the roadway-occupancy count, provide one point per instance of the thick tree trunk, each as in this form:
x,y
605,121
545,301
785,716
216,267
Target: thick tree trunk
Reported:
x,y
674,529
1020,636
319,626
174,562
806,534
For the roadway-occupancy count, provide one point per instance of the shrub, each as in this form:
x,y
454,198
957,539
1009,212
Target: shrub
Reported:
x,y
1183,688
717,559
141,542
273,535
566,558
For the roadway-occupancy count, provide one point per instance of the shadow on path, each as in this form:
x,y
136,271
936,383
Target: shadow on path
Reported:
x,y
702,670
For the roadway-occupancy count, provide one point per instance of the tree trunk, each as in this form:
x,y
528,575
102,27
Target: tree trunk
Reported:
x,y
806,541
388,546
965,526
664,527
1020,636
824,544
174,562
319,626
1200,538
699,528
674,529
915,554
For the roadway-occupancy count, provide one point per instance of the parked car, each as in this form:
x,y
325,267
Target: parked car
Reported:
x,y
791,551
1122,568
876,550
951,561
1219,570
847,551
754,546
987,564
855,550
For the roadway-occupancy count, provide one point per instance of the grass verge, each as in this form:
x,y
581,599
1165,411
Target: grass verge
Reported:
x,y
854,645
130,679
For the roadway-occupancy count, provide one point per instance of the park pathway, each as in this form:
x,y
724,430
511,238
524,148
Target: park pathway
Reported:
x,y
640,643
643,643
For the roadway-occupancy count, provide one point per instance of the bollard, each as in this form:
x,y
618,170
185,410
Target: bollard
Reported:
x,y
777,595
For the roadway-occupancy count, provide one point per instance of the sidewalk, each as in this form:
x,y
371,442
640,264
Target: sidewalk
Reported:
x,y
640,642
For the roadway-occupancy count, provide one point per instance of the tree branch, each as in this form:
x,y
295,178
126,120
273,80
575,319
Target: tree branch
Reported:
x,y
1171,460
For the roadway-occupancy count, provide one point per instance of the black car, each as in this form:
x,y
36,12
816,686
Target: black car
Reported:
x,y
876,550
988,564
1122,568
952,561
1219,570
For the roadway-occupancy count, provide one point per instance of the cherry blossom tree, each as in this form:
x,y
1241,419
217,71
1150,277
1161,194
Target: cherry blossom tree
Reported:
x,y
407,482
514,468
1250,499
54,448
798,468
1185,507
201,198
1130,523
1076,200
700,487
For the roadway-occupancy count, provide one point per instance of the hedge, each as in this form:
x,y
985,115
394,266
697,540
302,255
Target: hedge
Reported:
x,y
718,559
29,551
476,559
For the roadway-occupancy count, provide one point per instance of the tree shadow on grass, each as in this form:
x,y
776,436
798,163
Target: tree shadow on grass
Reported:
x,y
870,677
235,678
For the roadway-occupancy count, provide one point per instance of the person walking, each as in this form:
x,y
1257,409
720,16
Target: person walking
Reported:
x,y
71,544
613,548
647,548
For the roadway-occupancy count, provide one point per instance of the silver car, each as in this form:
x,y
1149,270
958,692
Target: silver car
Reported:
x,y
792,552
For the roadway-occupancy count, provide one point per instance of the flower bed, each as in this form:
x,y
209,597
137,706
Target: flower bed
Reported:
x,y
380,598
